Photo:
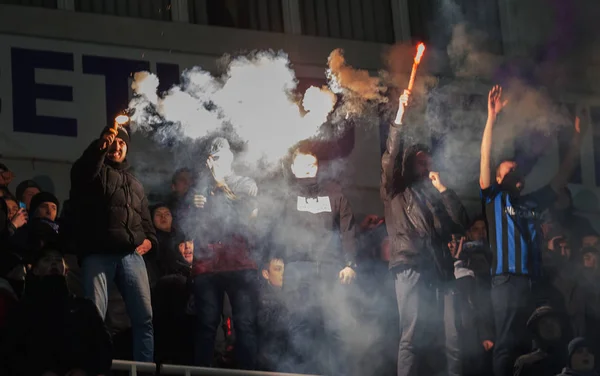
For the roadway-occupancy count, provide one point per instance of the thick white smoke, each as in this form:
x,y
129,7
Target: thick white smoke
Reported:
x,y
254,97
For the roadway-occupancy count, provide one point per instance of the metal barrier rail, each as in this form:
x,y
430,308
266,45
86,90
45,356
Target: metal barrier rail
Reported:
x,y
170,369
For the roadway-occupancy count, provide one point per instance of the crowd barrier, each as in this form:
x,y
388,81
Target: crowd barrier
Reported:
x,y
169,369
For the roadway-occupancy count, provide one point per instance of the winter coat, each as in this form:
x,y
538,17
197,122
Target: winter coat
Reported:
x,y
38,233
315,223
222,230
419,220
110,208
51,331
272,320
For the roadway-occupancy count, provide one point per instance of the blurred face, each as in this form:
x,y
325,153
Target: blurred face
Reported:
x,y
183,182
117,151
422,164
13,208
564,248
589,241
513,182
47,210
582,360
549,328
305,166
51,264
187,250
28,194
222,162
6,177
478,232
163,220
274,273
590,260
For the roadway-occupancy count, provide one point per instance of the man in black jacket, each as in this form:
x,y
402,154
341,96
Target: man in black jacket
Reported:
x,y
316,237
114,230
420,214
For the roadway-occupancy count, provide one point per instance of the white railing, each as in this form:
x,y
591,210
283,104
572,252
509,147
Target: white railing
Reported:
x,y
168,369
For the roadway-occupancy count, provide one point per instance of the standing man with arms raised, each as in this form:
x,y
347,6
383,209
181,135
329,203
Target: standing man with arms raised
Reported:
x,y
421,214
515,238
113,231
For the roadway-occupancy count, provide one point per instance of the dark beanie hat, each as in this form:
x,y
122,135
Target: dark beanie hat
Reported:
x,y
538,314
40,198
575,344
122,133
23,186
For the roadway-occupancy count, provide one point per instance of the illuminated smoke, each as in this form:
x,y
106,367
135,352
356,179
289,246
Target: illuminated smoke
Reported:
x,y
254,98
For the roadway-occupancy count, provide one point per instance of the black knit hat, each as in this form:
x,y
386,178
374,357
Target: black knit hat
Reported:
x,y
538,314
122,133
23,186
40,198
575,344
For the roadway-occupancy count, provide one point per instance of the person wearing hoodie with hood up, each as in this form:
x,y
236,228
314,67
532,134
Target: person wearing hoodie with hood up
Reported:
x,y
421,214
547,327
514,233
581,360
315,235
222,228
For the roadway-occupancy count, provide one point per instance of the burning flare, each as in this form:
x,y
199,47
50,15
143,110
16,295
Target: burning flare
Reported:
x,y
413,76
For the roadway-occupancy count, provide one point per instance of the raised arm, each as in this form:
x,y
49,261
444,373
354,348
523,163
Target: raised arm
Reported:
x,y
89,164
389,161
495,105
571,160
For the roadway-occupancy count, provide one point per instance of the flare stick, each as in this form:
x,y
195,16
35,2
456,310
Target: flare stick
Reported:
x,y
413,75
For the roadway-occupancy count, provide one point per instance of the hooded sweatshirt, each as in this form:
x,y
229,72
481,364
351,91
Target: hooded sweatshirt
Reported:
x,y
420,220
316,224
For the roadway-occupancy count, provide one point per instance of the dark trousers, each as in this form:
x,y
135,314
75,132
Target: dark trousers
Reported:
x,y
320,315
428,325
242,289
512,303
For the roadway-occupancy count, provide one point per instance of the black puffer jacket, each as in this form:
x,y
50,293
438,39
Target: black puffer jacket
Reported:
x,y
419,222
109,205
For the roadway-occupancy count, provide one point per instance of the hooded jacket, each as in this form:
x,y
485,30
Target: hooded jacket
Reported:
x,y
419,219
316,224
109,205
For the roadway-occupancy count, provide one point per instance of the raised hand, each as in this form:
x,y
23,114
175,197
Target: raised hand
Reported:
x,y
495,102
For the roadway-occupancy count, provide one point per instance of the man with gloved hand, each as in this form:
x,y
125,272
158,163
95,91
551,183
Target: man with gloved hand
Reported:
x,y
421,214
113,231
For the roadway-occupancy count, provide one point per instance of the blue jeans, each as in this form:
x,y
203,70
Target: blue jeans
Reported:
x,y
428,324
242,289
129,273
512,302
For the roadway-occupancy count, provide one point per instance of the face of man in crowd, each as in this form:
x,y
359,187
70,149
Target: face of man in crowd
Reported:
x,y
564,249
549,328
6,177
47,210
274,273
589,241
478,232
182,183
28,194
187,250
582,360
163,220
13,208
422,164
51,264
117,151
509,177
590,260
305,166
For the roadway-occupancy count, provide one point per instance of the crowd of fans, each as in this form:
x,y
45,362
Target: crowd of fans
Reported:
x,y
229,273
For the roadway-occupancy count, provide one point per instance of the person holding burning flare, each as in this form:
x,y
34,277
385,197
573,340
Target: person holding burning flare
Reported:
x,y
113,230
421,214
